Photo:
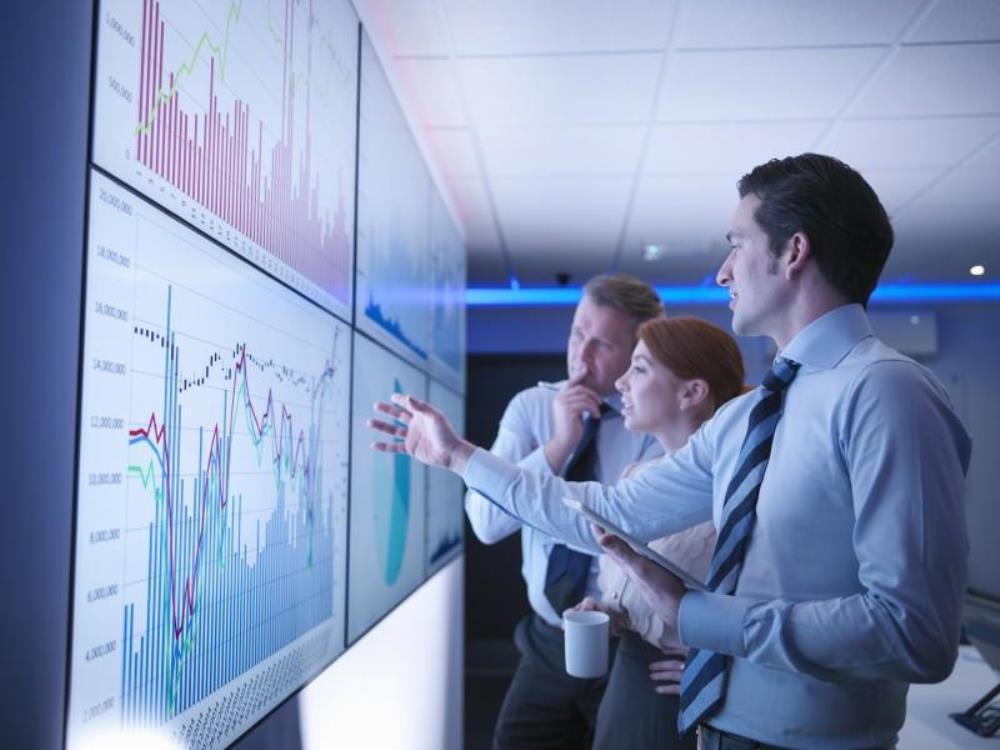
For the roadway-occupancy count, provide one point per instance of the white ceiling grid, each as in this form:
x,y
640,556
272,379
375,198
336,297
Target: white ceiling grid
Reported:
x,y
571,132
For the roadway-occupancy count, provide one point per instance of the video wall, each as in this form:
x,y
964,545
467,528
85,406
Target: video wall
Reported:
x,y
266,256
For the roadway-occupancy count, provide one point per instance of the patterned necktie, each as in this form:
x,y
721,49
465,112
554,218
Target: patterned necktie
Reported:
x,y
703,685
567,571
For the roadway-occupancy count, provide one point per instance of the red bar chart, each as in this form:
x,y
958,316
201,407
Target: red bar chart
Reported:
x,y
242,124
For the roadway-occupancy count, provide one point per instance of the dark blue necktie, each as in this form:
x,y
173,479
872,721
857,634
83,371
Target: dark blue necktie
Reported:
x,y
567,571
703,685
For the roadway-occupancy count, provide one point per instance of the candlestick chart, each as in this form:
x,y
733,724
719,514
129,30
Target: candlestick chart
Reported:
x,y
211,520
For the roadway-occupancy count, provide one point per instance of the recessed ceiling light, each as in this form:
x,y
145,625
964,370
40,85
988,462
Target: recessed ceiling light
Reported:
x,y
652,251
977,270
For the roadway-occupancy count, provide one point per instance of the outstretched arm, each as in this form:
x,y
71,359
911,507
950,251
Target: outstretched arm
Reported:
x,y
421,431
667,496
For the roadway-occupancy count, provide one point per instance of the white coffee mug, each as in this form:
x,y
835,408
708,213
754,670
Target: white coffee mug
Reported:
x,y
586,638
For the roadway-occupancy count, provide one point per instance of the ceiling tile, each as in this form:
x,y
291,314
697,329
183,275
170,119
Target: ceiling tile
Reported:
x,y
689,214
725,149
910,143
410,27
959,21
431,88
552,152
712,24
561,215
453,151
687,270
525,27
937,244
988,157
757,84
935,80
473,207
966,187
583,89
895,187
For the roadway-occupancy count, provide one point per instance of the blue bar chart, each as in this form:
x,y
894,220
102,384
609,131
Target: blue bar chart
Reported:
x,y
212,519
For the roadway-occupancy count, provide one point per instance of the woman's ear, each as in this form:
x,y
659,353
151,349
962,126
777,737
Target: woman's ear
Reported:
x,y
694,394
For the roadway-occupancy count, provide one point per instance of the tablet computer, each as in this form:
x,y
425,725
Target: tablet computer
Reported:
x,y
639,547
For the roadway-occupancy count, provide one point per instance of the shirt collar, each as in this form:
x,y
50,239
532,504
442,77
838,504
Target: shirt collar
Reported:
x,y
827,340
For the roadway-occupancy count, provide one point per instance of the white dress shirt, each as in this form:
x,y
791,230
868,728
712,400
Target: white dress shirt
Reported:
x,y
852,582
524,430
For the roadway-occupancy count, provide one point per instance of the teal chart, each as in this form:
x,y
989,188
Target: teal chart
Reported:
x,y
240,119
388,497
212,490
394,263
445,491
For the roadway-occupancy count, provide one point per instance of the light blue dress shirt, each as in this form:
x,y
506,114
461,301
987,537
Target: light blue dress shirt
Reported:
x,y
852,582
524,430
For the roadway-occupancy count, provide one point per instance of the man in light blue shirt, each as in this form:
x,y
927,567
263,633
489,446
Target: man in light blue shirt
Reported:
x,y
541,427
851,578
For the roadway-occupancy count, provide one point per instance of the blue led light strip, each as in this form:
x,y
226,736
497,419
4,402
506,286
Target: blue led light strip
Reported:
x,y
710,295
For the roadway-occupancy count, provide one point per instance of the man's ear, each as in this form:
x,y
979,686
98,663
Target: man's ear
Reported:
x,y
797,254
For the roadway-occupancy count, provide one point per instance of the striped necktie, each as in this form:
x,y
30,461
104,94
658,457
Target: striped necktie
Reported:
x,y
703,685
567,570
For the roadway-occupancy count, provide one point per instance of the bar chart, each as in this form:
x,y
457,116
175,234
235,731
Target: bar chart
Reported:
x,y
242,123
212,517
394,203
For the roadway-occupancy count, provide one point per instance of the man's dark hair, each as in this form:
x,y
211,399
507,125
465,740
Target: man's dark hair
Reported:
x,y
848,229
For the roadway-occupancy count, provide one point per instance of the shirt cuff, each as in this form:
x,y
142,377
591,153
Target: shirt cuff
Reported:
x,y
713,622
536,462
490,476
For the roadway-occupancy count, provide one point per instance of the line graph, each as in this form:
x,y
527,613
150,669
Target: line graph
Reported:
x,y
211,536
242,122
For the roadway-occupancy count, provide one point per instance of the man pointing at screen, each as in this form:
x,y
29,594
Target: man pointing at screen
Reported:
x,y
836,489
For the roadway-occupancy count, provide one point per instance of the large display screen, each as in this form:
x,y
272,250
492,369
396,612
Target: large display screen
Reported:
x,y
445,491
212,493
388,497
393,303
448,297
234,531
240,119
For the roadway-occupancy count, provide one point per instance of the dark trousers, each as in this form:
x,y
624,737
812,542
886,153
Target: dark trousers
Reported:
x,y
545,707
632,715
